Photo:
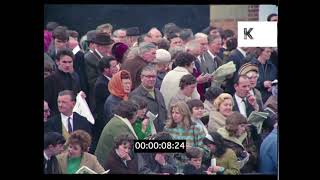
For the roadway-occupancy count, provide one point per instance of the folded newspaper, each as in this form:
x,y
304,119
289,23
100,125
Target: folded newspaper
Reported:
x,y
81,107
257,118
220,74
86,170
152,117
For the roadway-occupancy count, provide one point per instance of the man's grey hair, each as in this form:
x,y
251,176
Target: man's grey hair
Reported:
x,y
175,51
191,45
145,47
116,32
69,93
186,35
211,38
200,35
148,68
103,26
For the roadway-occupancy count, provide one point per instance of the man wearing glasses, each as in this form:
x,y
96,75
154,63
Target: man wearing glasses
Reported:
x,y
153,96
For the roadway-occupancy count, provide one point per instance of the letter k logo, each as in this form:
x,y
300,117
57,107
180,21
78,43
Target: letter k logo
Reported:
x,y
247,33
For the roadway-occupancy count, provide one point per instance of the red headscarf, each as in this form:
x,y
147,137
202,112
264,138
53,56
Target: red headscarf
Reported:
x,y
115,85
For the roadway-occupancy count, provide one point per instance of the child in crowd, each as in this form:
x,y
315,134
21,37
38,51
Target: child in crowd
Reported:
x,y
194,165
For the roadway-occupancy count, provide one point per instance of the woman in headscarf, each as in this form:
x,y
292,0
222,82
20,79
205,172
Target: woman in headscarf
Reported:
x,y
119,87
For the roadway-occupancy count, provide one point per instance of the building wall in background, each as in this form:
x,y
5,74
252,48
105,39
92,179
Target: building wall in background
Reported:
x,y
227,16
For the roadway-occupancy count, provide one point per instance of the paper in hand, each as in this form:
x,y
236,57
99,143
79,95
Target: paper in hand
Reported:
x,y
151,116
81,107
85,170
257,118
220,74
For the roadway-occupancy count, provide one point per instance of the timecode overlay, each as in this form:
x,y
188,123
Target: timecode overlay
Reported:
x,y
159,146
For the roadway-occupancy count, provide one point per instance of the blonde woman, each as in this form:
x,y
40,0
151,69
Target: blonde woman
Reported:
x,y
181,127
217,118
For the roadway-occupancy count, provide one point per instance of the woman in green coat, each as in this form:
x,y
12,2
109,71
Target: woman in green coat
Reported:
x,y
121,123
225,158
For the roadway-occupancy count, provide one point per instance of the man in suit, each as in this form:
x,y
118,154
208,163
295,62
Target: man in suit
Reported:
x,y
103,44
67,121
108,67
244,102
78,63
210,60
153,97
64,78
53,145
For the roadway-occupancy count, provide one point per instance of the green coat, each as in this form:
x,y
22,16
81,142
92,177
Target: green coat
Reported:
x,y
229,161
244,142
113,128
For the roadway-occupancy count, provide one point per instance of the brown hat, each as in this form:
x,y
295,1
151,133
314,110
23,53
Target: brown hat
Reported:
x,y
247,67
102,39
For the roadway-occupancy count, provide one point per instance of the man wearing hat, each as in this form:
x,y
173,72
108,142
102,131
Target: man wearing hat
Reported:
x,y
132,36
103,44
89,40
163,58
252,72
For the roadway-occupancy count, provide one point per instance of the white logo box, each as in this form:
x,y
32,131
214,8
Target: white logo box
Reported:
x,y
264,33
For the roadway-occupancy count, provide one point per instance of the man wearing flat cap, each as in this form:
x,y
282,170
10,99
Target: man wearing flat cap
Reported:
x,y
103,44
162,61
252,72
132,36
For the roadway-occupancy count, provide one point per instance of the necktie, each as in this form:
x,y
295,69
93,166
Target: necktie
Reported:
x,y
244,100
69,125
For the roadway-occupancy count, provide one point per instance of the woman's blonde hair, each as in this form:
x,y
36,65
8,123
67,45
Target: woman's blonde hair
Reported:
x,y
184,111
220,99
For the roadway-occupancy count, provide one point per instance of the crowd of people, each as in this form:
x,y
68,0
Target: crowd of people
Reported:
x,y
158,86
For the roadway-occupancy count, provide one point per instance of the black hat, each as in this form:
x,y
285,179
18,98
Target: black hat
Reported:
x,y
102,39
91,35
133,31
